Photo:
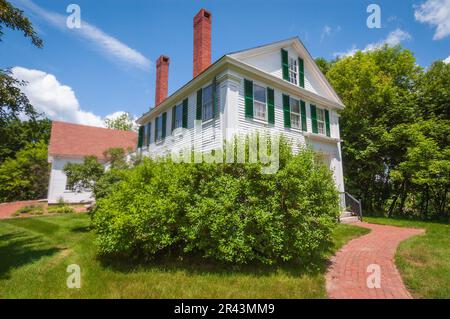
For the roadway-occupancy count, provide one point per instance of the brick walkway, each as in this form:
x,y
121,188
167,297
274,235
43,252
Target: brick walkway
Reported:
x,y
7,209
348,273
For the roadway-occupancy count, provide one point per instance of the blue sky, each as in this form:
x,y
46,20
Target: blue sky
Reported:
x,y
83,75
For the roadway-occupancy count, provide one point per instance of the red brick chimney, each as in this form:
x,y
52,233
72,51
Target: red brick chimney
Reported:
x,y
162,79
202,41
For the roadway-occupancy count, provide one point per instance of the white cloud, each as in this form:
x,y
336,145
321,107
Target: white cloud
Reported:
x,y
109,45
435,13
325,32
56,100
447,61
328,31
394,38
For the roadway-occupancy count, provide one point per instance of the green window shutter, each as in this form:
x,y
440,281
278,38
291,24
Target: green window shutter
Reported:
x,y
198,114
248,93
271,106
185,113
164,124
140,136
156,129
215,98
174,113
301,73
327,122
149,129
286,111
303,114
314,119
285,64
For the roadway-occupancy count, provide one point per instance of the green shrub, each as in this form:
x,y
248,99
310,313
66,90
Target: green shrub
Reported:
x,y
30,209
227,212
106,183
60,209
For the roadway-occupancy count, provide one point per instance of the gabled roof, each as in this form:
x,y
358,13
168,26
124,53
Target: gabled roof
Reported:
x,y
297,44
234,58
78,141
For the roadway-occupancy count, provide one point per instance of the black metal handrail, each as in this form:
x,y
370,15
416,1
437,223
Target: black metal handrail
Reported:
x,y
353,205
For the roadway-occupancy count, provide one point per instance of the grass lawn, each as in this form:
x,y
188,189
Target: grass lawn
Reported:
x,y
423,261
34,254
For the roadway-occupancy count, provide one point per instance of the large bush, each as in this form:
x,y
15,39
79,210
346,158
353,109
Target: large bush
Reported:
x,y
227,212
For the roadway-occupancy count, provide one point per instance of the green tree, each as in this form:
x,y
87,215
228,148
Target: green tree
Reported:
x,y
13,18
423,175
12,101
433,92
84,176
324,65
115,156
376,89
15,134
25,176
123,122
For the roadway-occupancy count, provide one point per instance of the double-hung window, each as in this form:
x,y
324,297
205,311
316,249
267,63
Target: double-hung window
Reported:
x,y
159,128
260,102
178,116
69,187
295,113
207,103
144,136
320,121
293,70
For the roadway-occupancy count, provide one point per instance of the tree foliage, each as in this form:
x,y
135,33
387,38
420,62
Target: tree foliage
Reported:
x,y
15,134
13,18
226,212
26,175
122,122
12,101
395,131
83,176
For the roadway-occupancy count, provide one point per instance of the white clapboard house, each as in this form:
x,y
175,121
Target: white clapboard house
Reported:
x,y
71,143
276,87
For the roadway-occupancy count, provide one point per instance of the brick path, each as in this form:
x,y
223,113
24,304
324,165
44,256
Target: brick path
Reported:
x,y
7,209
348,273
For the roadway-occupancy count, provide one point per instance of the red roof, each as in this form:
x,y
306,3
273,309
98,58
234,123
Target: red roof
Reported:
x,y
74,140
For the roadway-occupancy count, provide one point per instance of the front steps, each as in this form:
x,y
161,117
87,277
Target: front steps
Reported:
x,y
348,218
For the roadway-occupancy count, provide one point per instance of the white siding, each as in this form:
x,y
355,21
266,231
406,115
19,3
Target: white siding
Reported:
x,y
211,130
58,180
271,63
232,119
330,149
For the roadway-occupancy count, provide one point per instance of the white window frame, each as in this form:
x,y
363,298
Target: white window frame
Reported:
x,y
68,188
158,136
295,114
207,105
293,70
259,103
321,126
144,136
178,121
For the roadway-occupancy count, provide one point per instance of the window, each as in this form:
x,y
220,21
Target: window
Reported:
x,y
260,105
149,133
295,113
69,187
144,137
178,116
159,128
207,103
321,121
293,70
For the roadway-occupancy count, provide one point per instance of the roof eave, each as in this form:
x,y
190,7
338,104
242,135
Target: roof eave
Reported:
x,y
221,64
